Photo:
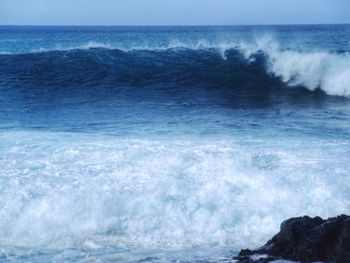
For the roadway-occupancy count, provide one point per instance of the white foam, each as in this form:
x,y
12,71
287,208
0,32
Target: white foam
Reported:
x,y
59,189
313,69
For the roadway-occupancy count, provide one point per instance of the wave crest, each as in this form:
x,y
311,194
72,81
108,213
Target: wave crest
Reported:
x,y
327,71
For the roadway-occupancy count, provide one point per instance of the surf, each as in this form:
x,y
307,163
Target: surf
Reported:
x,y
167,144
79,189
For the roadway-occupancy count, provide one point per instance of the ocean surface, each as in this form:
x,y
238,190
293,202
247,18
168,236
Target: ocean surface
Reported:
x,y
168,144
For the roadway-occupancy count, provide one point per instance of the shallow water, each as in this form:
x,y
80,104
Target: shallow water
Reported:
x,y
158,144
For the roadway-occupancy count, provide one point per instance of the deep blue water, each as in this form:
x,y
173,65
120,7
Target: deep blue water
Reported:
x,y
162,144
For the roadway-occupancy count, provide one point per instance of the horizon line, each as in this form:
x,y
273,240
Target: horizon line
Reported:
x,y
175,25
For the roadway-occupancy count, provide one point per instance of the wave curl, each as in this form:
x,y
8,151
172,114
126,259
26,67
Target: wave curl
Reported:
x,y
200,62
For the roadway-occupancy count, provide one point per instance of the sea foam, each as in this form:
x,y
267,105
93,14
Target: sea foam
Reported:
x,y
80,189
327,71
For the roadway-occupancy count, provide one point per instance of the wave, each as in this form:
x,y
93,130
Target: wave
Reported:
x,y
202,62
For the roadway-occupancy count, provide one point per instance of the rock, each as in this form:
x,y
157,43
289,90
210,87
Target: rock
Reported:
x,y
306,239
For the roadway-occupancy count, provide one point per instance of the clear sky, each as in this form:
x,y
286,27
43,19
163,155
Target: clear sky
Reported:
x,y
172,12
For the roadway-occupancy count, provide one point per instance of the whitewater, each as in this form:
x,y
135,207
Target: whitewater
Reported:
x,y
161,144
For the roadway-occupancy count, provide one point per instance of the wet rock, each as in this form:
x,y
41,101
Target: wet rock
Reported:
x,y
306,239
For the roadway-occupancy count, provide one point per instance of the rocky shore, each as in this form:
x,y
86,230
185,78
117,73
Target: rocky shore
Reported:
x,y
305,239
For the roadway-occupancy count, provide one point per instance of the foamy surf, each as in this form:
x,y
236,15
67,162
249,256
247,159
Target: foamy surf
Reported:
x,y
174,193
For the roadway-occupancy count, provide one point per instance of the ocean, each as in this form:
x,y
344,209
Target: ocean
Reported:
x,y
168,144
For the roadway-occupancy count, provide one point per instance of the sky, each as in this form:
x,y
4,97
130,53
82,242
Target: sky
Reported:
x,y
173,12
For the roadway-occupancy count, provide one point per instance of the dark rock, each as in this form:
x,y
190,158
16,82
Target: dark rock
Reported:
x,y
307,239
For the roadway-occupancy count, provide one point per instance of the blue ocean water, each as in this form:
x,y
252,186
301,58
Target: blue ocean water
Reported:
x,y
168,144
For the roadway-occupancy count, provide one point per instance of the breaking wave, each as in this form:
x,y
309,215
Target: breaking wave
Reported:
x,y
225,64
